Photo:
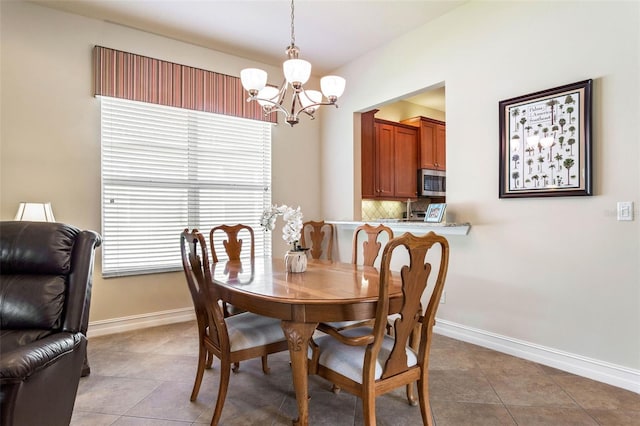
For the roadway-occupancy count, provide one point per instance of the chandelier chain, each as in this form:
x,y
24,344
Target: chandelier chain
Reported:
x,y
293,35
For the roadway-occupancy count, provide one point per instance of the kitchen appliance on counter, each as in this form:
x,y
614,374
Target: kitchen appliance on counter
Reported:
x,y
432,183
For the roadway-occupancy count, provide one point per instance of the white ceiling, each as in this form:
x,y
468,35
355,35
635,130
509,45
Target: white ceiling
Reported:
x,y
330,33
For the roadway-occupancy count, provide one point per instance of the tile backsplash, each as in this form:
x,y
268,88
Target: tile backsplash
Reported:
x,y
373,209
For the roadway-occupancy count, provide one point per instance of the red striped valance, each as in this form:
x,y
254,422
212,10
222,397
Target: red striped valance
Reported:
x,y
129,76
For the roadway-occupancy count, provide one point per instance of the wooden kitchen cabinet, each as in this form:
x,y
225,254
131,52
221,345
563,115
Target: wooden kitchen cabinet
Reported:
x,y
432,142
367,154
389,159
384,160
405,162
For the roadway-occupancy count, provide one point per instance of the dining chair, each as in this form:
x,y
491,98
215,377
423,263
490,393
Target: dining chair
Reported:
x,y
233,249
320,236
232,245
371,245
231,339
379,363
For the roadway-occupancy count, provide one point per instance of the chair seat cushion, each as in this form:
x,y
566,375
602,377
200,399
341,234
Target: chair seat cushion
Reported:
x,y
247,330
349,360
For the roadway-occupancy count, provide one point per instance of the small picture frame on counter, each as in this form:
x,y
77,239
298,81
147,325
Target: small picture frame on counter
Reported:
x,y
435,212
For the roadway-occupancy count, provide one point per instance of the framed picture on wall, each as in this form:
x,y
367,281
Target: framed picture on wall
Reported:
x,y
435,212
545,143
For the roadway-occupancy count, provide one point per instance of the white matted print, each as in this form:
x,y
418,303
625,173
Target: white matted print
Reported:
x,y
435,212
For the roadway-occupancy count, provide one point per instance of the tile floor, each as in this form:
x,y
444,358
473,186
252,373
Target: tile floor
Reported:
x,y
145,377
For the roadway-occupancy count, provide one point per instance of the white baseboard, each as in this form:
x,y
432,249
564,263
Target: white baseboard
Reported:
x,y
601,371
135,322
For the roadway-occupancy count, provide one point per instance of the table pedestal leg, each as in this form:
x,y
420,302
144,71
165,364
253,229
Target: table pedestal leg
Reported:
x,y
298,335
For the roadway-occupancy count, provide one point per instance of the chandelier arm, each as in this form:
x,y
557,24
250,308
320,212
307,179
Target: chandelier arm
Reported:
x,y
310,114
283,92
317,105
294,101
273,104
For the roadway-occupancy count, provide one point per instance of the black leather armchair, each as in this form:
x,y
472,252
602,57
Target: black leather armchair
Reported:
x,y
46,274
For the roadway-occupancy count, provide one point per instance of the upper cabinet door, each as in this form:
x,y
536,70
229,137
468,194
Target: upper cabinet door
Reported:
x,y
384,160
406,162
367,153
441,147
432,142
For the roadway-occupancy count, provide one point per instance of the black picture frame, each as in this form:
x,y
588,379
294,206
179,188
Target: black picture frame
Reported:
x,y
545,143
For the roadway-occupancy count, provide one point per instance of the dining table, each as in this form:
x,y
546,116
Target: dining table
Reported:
x,y
326,292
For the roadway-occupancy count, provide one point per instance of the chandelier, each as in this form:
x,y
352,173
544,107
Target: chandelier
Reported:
x,y
296,73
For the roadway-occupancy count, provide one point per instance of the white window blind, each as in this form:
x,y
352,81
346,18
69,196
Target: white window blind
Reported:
x,y
165,169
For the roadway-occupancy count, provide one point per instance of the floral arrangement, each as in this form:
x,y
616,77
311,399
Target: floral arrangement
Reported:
x,y
291,231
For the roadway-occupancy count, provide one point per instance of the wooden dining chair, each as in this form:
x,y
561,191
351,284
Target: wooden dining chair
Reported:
x,y
232,245
371,245
230,339
379,363
233,249
320,236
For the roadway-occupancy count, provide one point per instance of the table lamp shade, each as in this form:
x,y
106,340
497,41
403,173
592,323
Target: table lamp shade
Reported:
x,y
35,212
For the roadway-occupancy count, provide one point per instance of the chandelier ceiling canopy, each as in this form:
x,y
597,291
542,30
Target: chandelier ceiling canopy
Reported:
x,y
296,73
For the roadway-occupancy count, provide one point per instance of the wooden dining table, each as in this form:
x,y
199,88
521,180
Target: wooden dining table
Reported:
x,y
326,291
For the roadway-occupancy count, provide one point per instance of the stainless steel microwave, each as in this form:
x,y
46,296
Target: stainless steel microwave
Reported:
x,y
432,183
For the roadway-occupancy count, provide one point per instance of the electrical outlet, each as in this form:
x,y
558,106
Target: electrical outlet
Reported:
x,y
443,298
625,210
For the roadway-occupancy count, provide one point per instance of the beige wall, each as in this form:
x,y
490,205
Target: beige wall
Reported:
x,y
50,137
560,273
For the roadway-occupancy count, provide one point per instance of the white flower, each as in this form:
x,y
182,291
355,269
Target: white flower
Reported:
x,y
291,231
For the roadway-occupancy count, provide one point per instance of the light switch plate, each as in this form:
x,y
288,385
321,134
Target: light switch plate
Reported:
x,y
625,210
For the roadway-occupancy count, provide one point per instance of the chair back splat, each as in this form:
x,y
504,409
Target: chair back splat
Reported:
x,y
371,366
233,248
321,236
371,246
232,245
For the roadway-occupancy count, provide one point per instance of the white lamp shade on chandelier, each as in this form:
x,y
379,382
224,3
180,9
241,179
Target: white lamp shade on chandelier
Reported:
x,y
253,79
332,86
296,73
35,212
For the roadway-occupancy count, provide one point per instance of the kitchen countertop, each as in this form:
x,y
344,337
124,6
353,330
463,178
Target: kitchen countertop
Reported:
x,y
416,226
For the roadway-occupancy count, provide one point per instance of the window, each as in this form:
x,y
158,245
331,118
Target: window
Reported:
x,y
165,169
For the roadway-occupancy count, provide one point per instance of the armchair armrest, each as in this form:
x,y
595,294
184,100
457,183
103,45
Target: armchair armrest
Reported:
x,y
22,362
360,336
